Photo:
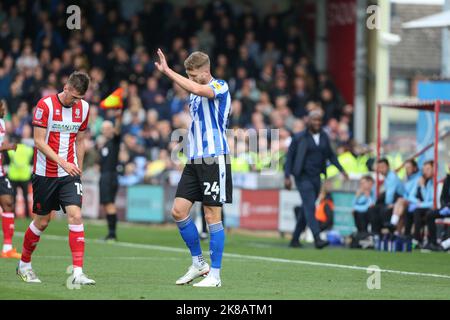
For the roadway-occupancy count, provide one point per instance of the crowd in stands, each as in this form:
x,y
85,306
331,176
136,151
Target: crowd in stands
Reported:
x,y
265,59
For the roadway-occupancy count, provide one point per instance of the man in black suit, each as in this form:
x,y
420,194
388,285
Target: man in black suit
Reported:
x,y
306,160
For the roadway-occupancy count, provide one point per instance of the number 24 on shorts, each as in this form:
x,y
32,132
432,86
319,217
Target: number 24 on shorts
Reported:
x,y
214,188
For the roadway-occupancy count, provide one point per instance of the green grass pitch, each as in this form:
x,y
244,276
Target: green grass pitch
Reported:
x,y
148,260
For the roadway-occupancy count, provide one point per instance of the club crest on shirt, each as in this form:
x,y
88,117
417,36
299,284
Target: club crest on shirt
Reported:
x,y
57,112
77,113
39,113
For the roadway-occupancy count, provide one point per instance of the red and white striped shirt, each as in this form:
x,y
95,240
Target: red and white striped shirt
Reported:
x,y
63,124
2,138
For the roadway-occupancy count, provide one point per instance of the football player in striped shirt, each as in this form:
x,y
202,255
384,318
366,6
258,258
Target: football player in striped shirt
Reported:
x,y
207,174
6,195
59,122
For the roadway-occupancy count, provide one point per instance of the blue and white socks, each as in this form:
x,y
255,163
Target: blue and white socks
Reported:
x,y
216,246
189,233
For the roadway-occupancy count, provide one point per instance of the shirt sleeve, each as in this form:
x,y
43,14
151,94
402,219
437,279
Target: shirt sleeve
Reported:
x,y
40,115
220,88
85,122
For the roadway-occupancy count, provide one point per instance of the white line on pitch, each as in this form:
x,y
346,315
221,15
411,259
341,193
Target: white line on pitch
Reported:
x,y
241,256
68,257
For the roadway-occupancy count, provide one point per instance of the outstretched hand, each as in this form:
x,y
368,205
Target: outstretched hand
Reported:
x,y
162,64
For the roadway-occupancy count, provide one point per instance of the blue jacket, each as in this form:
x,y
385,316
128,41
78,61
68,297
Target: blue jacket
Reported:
x,y
424,195
362,202
392,185
410,184
295,158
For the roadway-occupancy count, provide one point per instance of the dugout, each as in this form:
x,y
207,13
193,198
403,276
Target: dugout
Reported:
x,y
436,106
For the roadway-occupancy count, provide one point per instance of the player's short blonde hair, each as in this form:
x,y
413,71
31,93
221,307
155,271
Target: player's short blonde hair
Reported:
x,y
196,60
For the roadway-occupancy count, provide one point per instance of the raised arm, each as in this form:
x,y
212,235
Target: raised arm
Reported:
x,y
118,122
202,90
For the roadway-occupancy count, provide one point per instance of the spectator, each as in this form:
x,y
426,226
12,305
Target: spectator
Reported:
x,y
300,98
27,59
329,104
206,38
237,118
178,98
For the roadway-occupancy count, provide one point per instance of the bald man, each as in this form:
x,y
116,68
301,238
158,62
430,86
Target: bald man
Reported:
x,y
306,160
109,158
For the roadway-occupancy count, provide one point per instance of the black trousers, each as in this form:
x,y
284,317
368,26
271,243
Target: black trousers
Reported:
x,y
379,215
417,219
24,186
361,220
432,215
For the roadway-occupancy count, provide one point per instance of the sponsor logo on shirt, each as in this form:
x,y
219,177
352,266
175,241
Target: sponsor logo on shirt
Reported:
x,y
65,127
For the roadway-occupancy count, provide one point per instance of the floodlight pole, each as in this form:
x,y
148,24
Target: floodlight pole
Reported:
x,y
437,110
378,148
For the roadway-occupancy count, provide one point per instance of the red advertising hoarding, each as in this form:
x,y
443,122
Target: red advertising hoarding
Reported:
x,y
259,209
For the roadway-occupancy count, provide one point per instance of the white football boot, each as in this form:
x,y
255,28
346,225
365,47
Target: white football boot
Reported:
x,y
82,279
209,282
193,273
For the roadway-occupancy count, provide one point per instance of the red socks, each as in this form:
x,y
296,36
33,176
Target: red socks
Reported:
x,y
76,243
8,227
32,236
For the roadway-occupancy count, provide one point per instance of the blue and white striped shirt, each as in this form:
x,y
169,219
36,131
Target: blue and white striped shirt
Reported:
x,y
207,135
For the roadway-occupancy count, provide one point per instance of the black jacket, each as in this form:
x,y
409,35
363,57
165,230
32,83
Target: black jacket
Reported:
x,y
295,158
445,194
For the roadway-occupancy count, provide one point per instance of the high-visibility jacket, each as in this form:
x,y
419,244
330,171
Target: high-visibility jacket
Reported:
x,y
20,163
240,163
347,161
